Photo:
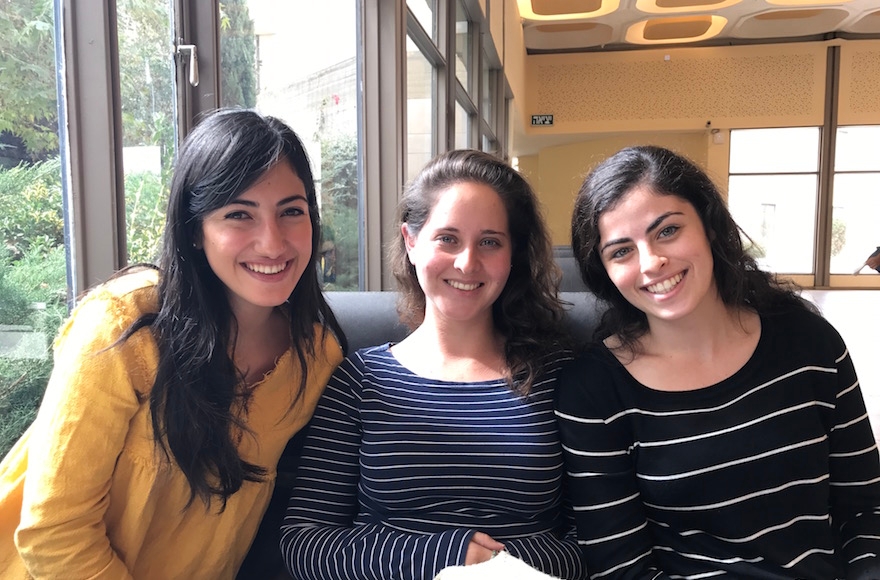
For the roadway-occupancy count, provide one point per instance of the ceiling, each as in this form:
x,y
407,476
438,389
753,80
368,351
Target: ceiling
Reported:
x,y
556,26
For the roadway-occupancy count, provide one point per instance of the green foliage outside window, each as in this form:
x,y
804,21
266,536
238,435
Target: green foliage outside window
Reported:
x,y
339,211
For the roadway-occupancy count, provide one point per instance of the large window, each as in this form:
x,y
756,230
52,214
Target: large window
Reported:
x,y
33,265
856,207
773,190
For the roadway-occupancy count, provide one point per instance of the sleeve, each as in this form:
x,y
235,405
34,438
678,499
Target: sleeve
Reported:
x,y
557,555
855,473
600,476
319,538
77,437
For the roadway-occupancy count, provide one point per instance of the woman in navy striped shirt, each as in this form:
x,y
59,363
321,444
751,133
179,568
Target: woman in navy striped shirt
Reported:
x,y
719,429
443,449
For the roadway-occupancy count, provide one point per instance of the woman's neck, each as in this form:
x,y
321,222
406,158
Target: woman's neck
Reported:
x,y
259,342
452,351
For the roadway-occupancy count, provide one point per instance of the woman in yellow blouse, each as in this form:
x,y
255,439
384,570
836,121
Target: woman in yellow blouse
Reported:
x,y
175,389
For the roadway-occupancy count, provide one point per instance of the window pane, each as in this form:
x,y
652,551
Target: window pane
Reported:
x,y
778,212
854,231
857,149
487,109
146,80
33,266
787,150
462,127
419,110
275,58
425,11
462,47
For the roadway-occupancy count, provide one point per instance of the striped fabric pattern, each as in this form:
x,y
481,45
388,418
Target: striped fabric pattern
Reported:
x,y
771,473
398,472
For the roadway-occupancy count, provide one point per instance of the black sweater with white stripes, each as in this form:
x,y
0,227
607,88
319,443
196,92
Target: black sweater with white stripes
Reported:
x,y
771,473
399,471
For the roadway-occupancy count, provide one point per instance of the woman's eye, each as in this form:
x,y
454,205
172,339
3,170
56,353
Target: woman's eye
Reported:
x,y
236,215
446,239
491,243
667,231
294,211
619,253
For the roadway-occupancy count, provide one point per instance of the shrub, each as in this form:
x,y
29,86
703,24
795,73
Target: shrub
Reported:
x,y
30,206
145,208
33,290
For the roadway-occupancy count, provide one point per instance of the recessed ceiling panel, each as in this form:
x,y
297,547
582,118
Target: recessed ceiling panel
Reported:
x,y
567,36
557,10
674,6
806,2
785,23
867,24
565,7
675,30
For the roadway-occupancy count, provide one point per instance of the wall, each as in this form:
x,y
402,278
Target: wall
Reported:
x,y
859,83
556,173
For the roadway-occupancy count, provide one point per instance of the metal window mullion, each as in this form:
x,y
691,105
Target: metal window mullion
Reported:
x,y
95,186
200,25
383,31
825,197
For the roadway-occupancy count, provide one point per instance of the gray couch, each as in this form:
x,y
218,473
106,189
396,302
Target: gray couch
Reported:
x,y
370,318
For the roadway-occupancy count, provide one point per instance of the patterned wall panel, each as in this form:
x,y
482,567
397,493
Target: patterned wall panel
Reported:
x,y
680,89
859,84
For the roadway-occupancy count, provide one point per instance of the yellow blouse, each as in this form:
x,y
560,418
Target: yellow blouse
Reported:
x,y
86,494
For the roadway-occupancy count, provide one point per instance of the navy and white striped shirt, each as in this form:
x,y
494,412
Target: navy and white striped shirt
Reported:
x,y
399,471
771,473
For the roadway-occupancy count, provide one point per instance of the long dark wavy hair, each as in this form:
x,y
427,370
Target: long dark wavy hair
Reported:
x,y
528,312
197,383
740,282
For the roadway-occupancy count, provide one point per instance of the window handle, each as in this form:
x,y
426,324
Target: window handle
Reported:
x,y
189,52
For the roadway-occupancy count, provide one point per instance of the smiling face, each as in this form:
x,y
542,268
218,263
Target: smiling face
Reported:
x,y
462,254
260,243
656,252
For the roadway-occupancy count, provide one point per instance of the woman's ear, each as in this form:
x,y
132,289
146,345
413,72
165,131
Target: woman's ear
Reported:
x,y
409,240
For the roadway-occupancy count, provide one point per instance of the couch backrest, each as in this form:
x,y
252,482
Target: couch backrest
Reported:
x,y
370,318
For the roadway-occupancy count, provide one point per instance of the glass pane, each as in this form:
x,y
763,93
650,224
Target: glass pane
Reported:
x,y
276,59
462,47
146,81
419,110
424,11
778,212
462,127
790,150
33,266
854,231
487,108
857,149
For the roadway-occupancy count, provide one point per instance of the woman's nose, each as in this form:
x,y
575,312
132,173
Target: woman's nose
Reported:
x,y
651,261
466,260
270,240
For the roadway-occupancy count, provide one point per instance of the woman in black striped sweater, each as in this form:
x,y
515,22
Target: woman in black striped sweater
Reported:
x,y
718,427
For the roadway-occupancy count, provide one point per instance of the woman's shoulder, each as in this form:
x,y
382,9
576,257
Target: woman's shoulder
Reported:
x,y
110,308
136,289
800,325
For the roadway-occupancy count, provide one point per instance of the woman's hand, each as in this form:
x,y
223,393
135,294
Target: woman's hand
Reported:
x,y
482,548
